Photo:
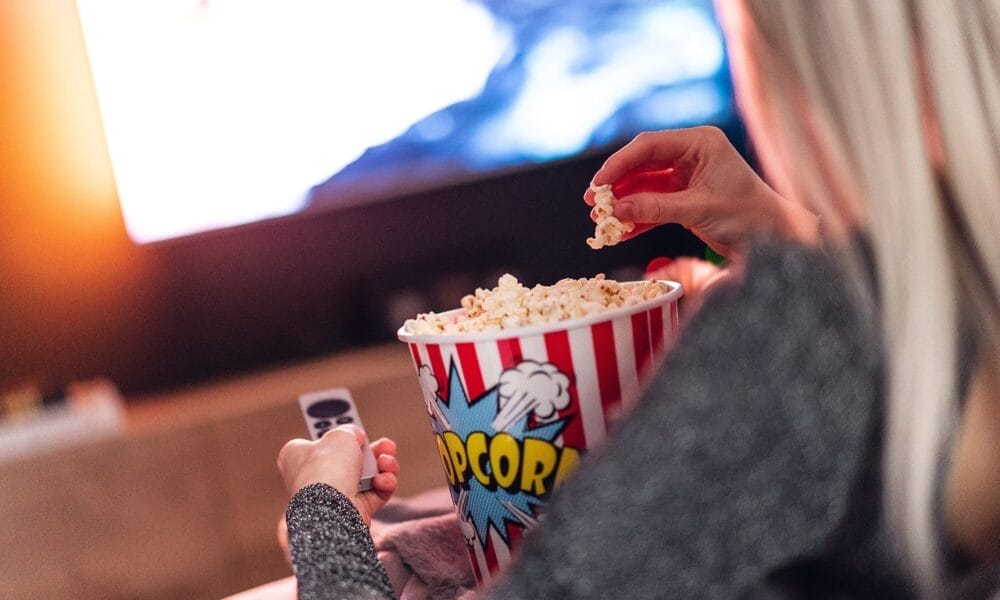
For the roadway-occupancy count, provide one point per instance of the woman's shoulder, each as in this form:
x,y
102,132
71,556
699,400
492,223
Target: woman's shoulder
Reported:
x,y
817,279
799,310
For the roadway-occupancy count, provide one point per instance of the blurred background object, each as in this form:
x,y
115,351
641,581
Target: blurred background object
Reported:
x,y
36,420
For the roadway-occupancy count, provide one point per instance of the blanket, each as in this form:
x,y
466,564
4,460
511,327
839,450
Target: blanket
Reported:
x,y
419,541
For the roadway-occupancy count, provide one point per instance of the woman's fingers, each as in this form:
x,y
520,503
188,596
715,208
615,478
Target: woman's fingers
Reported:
x,y
682,207
385,484
387,463
641,150
384,446
658,149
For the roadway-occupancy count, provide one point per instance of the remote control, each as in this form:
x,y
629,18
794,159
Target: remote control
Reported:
x,y
327,409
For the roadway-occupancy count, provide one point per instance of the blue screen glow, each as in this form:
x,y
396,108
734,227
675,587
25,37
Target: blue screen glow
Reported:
x,y
223,112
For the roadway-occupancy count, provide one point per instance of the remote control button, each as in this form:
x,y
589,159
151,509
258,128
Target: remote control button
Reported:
x,y
345,419
322,424
325,409
321,433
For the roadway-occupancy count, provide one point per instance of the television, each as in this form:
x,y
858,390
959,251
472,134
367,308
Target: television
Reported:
x,y
295,177
222,112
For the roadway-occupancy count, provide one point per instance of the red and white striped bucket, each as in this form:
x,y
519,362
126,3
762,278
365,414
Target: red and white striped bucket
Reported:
x,y
512,411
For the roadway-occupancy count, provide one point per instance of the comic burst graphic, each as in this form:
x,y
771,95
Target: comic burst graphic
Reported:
x,y
495,506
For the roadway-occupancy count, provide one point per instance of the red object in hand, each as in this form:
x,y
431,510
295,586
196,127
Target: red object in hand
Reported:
x,y
662,177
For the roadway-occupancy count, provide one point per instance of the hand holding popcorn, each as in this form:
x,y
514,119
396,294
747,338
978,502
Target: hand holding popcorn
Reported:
x,y
722,201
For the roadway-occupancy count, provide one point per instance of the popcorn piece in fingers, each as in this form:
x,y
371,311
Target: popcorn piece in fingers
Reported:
x,y
608,230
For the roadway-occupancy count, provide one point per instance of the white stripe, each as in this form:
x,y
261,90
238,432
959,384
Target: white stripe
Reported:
x,y
425,358
628,377
581,347
490,366
666,333
657,350
500,549
651,359
484,568
449,356
533,347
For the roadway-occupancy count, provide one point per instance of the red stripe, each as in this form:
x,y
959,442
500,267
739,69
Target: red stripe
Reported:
x,y
416,356
491,555
437,366
607,365
514,532
474,386
557,347
475,565
510,352
640,341
656,327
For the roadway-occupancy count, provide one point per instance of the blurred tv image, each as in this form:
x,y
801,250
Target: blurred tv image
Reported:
x,y
224,112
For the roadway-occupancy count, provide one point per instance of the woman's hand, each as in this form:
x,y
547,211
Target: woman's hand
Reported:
x,y
335,459
697,276
722,201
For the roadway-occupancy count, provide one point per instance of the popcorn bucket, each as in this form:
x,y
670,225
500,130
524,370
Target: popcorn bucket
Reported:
x,y
514,410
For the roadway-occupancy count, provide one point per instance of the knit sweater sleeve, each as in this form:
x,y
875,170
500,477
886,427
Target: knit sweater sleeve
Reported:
x,y
332,550
739,459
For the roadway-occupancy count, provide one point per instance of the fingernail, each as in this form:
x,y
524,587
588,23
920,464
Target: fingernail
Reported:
x,y
658,263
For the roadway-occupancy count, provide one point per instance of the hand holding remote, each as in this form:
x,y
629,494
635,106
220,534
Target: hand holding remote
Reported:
x,y
337,457
329,409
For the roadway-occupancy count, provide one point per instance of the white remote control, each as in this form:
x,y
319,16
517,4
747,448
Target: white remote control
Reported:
x,y
327,409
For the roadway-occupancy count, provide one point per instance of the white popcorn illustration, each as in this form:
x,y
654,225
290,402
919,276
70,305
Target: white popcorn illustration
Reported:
x,y
531,386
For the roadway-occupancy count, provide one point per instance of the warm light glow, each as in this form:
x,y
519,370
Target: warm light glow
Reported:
x,y
219,112
52,131
61,223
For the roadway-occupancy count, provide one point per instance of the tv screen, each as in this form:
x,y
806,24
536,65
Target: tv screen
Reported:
x,y
224,112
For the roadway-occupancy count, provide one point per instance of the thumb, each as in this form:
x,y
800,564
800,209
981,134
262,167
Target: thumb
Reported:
x,y
656,208
337,461
342,439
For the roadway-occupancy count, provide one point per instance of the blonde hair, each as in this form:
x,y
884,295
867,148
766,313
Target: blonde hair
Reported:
x,y
884,116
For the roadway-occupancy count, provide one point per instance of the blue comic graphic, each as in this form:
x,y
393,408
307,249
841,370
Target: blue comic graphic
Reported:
x,y
502,451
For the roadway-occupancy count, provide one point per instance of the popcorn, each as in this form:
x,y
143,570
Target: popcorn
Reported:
x,y
511,304
609,230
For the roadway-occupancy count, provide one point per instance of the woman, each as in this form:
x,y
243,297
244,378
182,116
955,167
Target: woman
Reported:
x,y
830,425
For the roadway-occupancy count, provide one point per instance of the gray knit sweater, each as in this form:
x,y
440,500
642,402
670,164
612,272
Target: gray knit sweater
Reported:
x,y
749,469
